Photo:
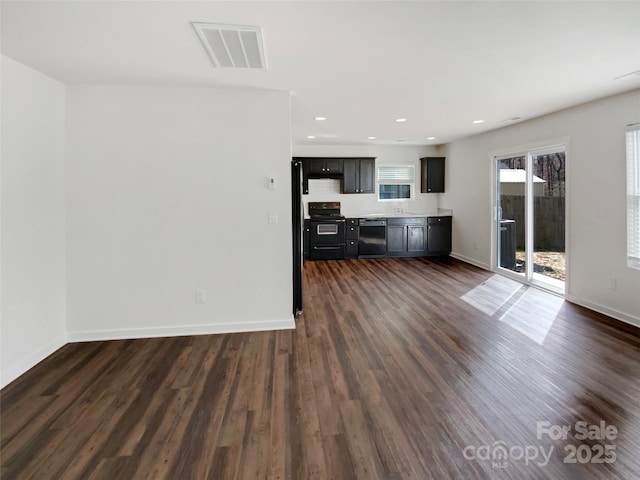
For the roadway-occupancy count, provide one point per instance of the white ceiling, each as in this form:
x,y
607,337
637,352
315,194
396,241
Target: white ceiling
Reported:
x,y
361,64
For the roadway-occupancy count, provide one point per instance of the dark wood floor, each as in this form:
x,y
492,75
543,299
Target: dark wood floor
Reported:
x,y
389,375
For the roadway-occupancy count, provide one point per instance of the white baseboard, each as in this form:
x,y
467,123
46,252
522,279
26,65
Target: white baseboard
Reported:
x,y
14,371
180,331
17,369
611,312
472,261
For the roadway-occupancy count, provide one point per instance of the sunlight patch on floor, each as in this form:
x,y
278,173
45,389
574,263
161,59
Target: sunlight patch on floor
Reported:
x,y
492,294
533,314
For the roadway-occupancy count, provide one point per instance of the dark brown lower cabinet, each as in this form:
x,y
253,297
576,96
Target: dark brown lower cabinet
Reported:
x,y
406,237
418,237
396,240
438,236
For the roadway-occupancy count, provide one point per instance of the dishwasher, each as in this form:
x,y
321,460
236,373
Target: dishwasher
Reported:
x,y
373,238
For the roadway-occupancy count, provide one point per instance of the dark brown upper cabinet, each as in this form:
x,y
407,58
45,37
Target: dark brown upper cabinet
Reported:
x,y
325,166
432,180
319,167
359,175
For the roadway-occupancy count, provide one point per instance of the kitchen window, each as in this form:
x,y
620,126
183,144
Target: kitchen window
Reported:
x,y
396,182
633,197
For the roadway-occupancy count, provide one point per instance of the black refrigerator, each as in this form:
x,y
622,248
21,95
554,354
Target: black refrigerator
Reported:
x,y
297,220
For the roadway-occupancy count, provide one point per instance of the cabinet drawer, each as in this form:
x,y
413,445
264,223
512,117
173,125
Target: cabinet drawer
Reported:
x,y
352,232
406,221
352,221
438,220
327,252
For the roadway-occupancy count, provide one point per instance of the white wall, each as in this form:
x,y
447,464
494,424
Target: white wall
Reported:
x,y
33,218
167,193
354,205
596,198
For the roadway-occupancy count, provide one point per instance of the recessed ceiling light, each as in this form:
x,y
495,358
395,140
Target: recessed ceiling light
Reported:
x,y
311,136
371,138
478,121
321,118
400,120
431,138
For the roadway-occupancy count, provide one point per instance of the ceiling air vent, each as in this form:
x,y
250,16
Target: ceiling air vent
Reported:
x,y
232,46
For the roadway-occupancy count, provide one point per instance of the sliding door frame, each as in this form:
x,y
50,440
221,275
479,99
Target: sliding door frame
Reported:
x,y
529,151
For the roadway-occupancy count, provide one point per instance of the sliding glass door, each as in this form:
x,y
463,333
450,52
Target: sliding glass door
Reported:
x,y
512,239
530,216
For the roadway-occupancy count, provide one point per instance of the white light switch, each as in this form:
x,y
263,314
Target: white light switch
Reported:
x,y
273,184
273,216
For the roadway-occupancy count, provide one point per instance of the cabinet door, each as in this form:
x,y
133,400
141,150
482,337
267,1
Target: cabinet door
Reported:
x,y
305,239
316,165
439,238
416,239
367,175
432,179
396,239
351,181
333,165
352,248
305,183
306,167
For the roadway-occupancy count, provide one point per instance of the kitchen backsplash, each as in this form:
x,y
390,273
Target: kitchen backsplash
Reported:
x,y
359,204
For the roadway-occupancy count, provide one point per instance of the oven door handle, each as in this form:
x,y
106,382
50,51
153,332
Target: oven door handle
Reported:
x,y
331,247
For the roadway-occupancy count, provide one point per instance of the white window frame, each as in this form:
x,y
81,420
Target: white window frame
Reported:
x,y
633,196
407,179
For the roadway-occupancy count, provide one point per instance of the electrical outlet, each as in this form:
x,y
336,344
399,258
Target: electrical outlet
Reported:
x,y
475,245
273,217
613,283
201,296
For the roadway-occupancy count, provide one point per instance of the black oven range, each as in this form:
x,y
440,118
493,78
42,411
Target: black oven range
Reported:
x,y
327,239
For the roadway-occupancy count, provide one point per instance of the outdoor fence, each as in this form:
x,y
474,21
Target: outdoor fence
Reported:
x,y
549,221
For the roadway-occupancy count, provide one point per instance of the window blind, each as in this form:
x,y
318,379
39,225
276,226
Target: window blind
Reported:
x,y
394,174
633,198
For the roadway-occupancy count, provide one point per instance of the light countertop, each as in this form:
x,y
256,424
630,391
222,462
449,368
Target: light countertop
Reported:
x,y
442,212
